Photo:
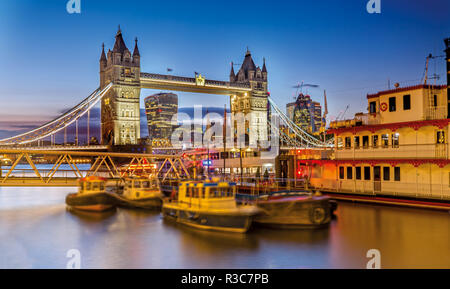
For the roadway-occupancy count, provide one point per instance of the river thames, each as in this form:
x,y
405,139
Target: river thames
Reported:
x,y
37,231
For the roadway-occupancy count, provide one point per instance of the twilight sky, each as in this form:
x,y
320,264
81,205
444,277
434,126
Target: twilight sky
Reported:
x,y
50,58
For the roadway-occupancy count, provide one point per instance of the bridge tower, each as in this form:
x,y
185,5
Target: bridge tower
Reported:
x,y
254,104
120,108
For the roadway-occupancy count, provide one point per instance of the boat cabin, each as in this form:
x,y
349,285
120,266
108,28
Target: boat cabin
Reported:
x,y
208,194
91,185
137,188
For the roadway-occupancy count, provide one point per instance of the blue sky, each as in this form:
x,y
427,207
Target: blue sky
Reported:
x,y
50,58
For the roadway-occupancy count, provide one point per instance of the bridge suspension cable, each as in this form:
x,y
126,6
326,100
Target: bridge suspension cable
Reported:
x,y
60,123
298,132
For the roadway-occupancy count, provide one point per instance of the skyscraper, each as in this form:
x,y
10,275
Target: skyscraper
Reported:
x,y
160,109
305,113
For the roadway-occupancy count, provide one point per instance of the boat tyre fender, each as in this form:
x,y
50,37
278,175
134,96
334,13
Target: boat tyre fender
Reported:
x,y
317,215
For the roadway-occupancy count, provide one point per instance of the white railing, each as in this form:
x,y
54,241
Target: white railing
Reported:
x,y
413,151
368,118
392,188
436,112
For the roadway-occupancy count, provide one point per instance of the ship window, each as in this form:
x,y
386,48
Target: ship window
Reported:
x,y
365,140
195,193
373,107
146,184
397,174
349,173
440,137
435,103
385,140
341,173
386,173
358,173
356,142
102,186
375,141
95,186
367,173
395,141
392,104
339,143
348,142
407,102
190,192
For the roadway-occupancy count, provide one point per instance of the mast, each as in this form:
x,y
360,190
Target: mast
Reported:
x,y
224,138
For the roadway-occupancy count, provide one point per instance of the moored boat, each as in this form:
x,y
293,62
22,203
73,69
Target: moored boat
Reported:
x,y
209,205
291,209
141,192
91,195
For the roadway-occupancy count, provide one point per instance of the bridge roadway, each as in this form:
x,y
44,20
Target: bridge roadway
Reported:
x,y
59,148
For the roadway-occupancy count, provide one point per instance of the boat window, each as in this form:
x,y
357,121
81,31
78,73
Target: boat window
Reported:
x,y
375,141
146,184
137,184
95,186
229,192
188,192
196,193
102,186
87,186
385,140
213,193
220,192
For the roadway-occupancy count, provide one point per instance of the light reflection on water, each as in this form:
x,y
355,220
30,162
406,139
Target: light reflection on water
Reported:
x,y
36,231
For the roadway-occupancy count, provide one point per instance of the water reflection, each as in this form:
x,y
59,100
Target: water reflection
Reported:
x,y
37,230
91,217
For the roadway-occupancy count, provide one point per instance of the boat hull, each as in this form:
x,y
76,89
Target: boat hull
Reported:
x,y
98,202
153,203
294,213
237,223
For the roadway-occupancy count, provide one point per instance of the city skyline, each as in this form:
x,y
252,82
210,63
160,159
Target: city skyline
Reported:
x,y
40,81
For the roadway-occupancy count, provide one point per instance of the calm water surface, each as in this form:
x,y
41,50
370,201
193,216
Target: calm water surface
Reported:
x,y
36,231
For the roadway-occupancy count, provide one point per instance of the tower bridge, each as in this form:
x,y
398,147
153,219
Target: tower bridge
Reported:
x,y
121,105
121,81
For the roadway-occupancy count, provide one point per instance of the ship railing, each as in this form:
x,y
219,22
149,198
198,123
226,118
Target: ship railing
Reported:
x,y
436,112
438,191
394,151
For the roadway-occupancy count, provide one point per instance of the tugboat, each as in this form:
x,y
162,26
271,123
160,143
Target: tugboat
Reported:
x,y
141,192
209,205
91,195
291,209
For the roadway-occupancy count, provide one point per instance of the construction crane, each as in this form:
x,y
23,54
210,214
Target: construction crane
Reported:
x,y
342,114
